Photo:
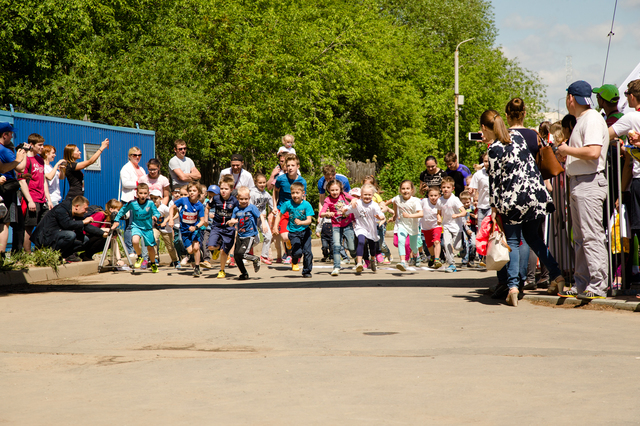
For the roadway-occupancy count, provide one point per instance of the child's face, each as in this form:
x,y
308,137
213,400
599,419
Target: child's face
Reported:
x,y
466,203
367,196
452,165
175,194
184,193
261,183
296,195
406,190
447,189
485,161
210,195
287,143
156,200
143,194
334,191
225,191
114,211
433,196
475,202
292,168
243,199
193,193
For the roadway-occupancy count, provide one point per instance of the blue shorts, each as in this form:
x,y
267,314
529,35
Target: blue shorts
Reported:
x,y
147,236
188,238
222,237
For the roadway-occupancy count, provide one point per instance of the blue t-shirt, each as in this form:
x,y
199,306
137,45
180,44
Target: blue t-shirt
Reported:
x,y
322,184
142,214
7,156
297,211
247,220
190,213
283,183
223,209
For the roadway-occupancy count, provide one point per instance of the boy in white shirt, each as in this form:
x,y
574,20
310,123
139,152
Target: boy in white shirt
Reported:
x,y
431,224
452,211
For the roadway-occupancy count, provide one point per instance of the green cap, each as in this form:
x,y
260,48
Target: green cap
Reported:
x,y
608,92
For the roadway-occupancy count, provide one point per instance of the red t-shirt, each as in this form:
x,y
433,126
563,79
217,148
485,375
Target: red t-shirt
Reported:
x,y
35,166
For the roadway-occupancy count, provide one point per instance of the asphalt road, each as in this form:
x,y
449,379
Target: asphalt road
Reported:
x,y
392,348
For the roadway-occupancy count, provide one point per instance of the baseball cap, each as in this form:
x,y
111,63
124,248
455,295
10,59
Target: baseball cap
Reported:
x,y
581,91
355,192
5,126
608,92
156,193
214,188
237,157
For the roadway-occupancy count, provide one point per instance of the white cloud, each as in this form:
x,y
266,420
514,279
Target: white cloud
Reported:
x,y
518,22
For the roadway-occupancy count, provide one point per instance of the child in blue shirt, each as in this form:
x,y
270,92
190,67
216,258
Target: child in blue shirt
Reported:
x,y
191,214
282,194
246,216
143,214
222,235
300,217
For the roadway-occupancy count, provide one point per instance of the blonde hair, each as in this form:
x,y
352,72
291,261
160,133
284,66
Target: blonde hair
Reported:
x,y
368,187
134,150
228,179
112,203
244,190
288,138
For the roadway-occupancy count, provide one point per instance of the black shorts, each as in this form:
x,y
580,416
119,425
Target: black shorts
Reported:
x,y
33,218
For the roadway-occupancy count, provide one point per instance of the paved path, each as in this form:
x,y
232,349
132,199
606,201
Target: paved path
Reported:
x,y
387,349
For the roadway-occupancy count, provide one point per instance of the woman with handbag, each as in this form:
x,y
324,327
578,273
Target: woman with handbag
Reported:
x,y
519,200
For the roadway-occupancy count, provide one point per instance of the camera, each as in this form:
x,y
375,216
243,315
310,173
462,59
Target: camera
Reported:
x,y
22,146
475,136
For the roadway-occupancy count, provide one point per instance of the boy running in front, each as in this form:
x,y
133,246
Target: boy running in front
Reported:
x,y
222,234
246,216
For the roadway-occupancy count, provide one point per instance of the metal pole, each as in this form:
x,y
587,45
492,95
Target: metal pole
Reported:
x,y
456,136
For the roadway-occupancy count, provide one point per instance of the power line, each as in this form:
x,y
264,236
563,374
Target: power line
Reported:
x,y
610,35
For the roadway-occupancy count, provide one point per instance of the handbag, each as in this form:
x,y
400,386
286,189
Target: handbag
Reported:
x,y
497,250
546,161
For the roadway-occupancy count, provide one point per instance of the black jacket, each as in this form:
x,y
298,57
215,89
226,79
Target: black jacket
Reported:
x,y
60,218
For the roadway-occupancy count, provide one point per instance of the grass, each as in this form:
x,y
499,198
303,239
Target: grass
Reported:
x,y
45,257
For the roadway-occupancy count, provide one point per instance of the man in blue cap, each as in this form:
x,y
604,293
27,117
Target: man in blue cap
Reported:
x,y
586,155
10,162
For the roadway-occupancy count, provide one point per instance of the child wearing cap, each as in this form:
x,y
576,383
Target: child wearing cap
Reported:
x,y
164,232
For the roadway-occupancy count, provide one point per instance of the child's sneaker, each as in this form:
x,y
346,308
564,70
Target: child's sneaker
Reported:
x,y
412,261
206,264
380,258
144,264
418,262
215,254
367,264
288,244
437,264
287,260
278,260
177,265
388,260
138,263
359,268
256,265
265,260
154,268
184,261
295,267
243,277
374,266
423,257
482,264
335,272
345,261
451,268
402,266
196,271
222,274
232,263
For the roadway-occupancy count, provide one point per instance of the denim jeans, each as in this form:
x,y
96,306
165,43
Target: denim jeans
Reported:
x,y
338,234
301,246
469,242
516,270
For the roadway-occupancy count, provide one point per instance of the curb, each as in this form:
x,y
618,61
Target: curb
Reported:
x,y
626,305
35,275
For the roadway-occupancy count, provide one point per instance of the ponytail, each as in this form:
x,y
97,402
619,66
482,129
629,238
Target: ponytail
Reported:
x,y
492,120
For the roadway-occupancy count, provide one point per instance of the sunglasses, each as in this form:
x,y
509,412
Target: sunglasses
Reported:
x,y
626,93
181,149
136,155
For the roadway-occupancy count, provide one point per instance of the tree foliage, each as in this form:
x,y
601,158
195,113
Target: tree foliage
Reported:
x,y
348,79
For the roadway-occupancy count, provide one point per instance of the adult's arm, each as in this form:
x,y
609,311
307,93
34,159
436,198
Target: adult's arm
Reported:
x,y
195,174
52,173
24,188
128,177
589,152
19,163
65,222
166,197
86,163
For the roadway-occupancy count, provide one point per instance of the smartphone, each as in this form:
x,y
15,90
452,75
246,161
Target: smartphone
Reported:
x,y
475,136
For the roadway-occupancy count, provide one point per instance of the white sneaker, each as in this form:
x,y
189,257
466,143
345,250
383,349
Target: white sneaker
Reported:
x,y
359,268
185,261
335,272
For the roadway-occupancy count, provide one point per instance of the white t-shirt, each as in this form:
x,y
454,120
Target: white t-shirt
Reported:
x,y
629,121
283,148
409,225
449,207
366,222
186,164
54,185
244,179
164,212
480,182
591,129
429,214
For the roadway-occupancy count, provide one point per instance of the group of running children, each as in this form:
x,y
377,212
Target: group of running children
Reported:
x,y
224,217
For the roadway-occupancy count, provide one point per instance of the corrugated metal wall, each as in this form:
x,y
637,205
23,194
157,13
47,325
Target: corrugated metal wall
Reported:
x,y
100,186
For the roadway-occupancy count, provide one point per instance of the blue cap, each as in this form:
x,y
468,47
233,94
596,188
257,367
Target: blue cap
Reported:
x,y
214,188
581,91
5,126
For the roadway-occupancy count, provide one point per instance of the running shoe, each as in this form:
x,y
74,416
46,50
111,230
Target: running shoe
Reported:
x,y
184,261
359,268
265,260
306,275
232,263
206,264
589,295
222,274
278,260
256,265
196,271
437,264
380,258
243,277
295,267
412,261
402,266
451,268
287,260
572,292
154,268
144,264
215,254
335,272
138,263
374,265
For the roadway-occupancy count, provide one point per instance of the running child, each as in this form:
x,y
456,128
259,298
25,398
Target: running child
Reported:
x,y
222,234
300,217
341,225
191,218
407,211
282,194
479,188
143,215
383,250
431,224
246,216
452,211
469,230
263,201
367,213
164,232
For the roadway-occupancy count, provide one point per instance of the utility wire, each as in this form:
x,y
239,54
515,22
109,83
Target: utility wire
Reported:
x,y
610,35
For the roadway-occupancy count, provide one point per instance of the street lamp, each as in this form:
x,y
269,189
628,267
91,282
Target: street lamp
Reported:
x,y
456,95
562,98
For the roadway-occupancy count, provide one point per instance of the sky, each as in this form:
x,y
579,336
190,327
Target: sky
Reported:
x,y
541,34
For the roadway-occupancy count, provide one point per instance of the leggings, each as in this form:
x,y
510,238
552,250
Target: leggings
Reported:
x,y
372,245
402,240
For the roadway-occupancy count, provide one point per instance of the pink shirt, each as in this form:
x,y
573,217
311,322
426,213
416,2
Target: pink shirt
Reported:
x,y
35,166
160,183
335,205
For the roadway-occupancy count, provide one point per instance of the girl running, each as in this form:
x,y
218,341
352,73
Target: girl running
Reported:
x,y
407,211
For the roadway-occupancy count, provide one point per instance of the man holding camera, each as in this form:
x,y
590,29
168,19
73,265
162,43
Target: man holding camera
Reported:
x,y
10,161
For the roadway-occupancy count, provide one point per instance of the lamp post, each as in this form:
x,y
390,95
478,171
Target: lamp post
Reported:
x,y
456,95
562,98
